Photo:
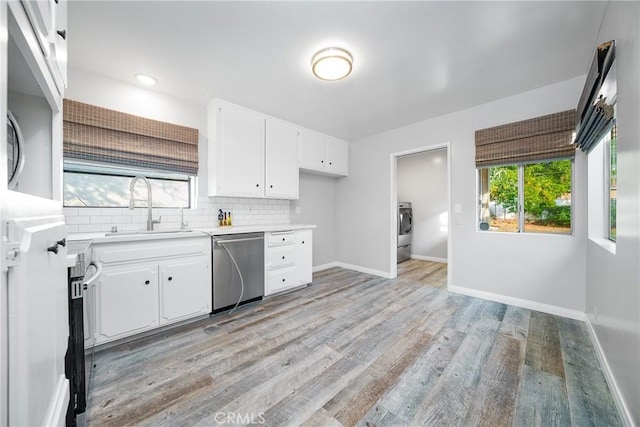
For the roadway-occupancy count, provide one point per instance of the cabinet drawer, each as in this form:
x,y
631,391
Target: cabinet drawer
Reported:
x,y
108,253
281,256
281,279
281,238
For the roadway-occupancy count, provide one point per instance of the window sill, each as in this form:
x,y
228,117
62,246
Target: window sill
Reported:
x,y
516,233
605,244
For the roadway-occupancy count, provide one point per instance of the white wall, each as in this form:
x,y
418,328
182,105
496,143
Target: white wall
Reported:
x,y
317,205
422,180
613,279
544,269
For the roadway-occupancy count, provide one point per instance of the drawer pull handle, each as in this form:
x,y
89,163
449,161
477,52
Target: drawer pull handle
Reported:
x,y
283,280
62,33
282,256
303,242
170,278
146,282
283,239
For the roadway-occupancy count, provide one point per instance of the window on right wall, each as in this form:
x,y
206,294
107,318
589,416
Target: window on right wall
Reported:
x,y
597,136
611,179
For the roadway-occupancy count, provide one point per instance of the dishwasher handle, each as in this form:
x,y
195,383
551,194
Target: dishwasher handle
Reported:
x,y
246,239
95,276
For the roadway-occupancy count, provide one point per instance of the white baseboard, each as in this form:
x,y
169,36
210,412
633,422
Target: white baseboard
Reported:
x,y
519,302
429,258
623,410
325,266
380,273
358,268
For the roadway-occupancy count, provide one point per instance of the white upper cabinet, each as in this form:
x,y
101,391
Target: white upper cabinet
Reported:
x,y
48,19
338,157
255,155
251,154
313,150
237,152
281,148
58,42
323,154
41,14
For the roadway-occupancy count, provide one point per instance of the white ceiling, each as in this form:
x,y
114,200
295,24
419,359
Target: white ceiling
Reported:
x,y
412,60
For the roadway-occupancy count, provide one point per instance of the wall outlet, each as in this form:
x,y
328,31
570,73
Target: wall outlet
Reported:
x,y
298,210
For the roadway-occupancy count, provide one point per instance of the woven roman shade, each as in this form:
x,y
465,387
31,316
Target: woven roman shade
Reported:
x,y
596,115
107,136
542,138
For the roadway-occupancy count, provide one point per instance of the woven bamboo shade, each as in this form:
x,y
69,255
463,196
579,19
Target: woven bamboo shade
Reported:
x,y
542,138
107,136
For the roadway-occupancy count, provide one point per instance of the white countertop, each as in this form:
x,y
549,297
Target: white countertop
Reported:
x,y
195,232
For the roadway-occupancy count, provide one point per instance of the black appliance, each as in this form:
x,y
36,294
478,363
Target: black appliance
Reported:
x,y
79,360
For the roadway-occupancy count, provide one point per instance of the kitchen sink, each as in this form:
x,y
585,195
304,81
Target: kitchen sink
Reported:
x,y
129,233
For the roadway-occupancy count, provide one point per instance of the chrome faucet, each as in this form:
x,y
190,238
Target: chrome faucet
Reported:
x,y
183,225
132,201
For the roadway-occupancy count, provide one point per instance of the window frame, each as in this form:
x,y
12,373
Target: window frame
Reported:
x,y
520,208
606,139
105,169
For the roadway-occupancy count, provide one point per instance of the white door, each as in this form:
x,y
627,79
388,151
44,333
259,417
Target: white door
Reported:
x,y
240,151
185,289
38,322
282,176
127,301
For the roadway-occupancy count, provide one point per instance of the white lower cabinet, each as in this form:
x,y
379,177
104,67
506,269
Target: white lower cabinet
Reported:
x,y
127,301
281,279
182,293
304,253
288,260
145,285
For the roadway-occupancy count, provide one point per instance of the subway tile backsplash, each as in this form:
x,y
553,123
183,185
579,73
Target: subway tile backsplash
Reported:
x,y
244,212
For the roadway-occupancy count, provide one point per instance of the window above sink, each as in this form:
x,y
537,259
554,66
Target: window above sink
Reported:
x,y
95,185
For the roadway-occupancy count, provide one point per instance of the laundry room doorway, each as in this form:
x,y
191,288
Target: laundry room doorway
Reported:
x,y
420,207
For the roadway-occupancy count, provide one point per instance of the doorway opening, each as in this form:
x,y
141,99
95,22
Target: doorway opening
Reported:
x,y
420,207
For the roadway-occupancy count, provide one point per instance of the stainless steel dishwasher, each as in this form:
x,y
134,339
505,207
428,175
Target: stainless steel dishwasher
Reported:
x,y
235,255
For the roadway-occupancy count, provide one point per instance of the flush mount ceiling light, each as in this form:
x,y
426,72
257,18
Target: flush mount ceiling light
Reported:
x,y
146,80
332,63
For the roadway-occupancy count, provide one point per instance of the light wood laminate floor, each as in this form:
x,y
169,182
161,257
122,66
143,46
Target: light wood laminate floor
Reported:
x,y
355,349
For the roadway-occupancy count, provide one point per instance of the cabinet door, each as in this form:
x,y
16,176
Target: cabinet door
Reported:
x,y
57,61
38,330
337,156
312,150
281,279
127,301
304,252
40,13
185,289
239,150
282,176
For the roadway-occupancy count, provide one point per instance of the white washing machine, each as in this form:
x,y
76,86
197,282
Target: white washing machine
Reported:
x,y
405,230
